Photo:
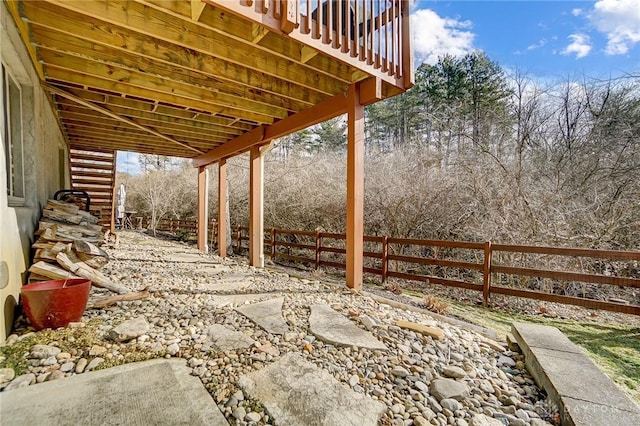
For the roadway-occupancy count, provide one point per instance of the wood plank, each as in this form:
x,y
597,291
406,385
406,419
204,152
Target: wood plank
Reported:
x,y
230,25
77,115
567,276
161,88
81,164
196,37
14,8
567,300
75,174
75,132
435,280
105,131
564,251
156,92
437,243
53,42
437,262
163,112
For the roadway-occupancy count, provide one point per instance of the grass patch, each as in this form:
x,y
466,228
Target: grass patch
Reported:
x,y
615,348
67,339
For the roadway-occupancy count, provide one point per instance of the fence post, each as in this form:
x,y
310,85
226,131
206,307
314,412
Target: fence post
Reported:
x,y
239,238
486,284
318,246
385,258
273,244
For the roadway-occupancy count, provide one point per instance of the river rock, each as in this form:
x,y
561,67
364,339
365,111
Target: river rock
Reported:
x,y
6,375
448,388
44,351
130,329
454,372
482,420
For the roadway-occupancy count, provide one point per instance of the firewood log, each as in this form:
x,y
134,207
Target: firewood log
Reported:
x,y
104,302
68,261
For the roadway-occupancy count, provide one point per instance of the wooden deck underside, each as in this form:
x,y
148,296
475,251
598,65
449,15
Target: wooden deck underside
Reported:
x,y
180,78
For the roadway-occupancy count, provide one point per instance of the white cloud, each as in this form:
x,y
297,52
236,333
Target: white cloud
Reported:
x,y
580,45
434,36
538,45
619,20
576,12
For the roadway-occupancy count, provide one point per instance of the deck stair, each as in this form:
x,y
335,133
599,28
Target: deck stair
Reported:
x,y
95,172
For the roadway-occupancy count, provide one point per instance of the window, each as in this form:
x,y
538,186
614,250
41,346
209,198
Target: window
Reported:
x,y
13,142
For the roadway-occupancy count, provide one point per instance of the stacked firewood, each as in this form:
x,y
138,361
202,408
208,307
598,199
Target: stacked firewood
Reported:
x,y
68,246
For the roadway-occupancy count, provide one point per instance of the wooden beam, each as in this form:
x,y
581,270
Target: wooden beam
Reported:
x,y
203,208
324,111
23,28
222,207
158,88
163,24
197,7
355,188
228,92
256,208
108,113
307,54
258,32
45,17
370,91
171,115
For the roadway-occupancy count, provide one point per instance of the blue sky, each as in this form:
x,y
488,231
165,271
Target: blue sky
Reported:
x,y
544,38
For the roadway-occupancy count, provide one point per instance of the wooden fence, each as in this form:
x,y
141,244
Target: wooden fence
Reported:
x,y
488,268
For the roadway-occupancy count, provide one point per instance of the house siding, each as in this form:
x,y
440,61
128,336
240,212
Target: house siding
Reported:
x,y
43,141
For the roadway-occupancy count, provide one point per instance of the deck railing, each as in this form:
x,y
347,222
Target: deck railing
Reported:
x,y
372,35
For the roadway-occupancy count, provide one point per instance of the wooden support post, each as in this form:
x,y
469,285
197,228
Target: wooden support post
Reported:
x,y
486,284
256,211
273,244
318,246
203,207
385,258
355,187
222,208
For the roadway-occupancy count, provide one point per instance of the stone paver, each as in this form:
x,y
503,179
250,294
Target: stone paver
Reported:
x,y
188,258
224,339
296,392
231,300
267,314
584,394
158,392
333,327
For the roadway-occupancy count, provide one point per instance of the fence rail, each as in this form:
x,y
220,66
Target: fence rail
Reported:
x,y
481,267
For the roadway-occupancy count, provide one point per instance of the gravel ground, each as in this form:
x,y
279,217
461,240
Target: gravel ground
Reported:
x,y
462,379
